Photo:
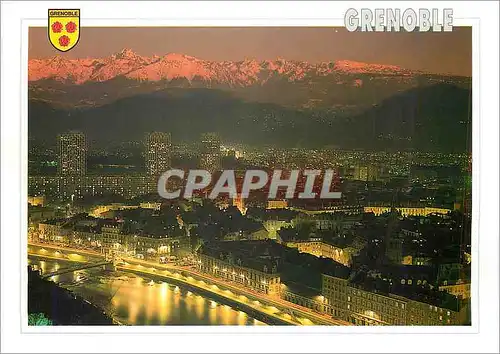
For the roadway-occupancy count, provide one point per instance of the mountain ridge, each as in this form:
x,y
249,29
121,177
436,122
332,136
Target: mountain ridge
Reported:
x,y
172,65
431,118
334,85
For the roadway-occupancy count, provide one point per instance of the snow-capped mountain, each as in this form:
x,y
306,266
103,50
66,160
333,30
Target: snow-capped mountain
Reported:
x,y
173,66
285,102
339,84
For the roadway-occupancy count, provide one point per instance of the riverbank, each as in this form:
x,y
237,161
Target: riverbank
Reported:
x,y
269,310
135,298
60,305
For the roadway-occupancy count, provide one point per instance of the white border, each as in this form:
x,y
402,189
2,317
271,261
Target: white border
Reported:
x,y
245,14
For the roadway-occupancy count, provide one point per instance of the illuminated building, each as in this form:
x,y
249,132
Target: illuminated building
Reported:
x,y
336,220
36,200
46,185
460,290
277,204
274,225
72,154
239,203
379,210
150,205
151,246
210,154
112,237
98,210
64,186
345,209
360,301
54,231
39,213
334,291
416,260
86,237
361,306
319,248
259,234
303,296
158,153
233,262
370,308
366,173
340,249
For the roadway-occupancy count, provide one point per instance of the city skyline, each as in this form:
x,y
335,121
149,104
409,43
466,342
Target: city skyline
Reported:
x,y
379,235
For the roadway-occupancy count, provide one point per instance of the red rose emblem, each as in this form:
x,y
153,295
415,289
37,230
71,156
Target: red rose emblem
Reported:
x,y
64,41
57,27
70,27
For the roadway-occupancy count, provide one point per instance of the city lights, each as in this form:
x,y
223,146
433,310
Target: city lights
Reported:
x,y
297,191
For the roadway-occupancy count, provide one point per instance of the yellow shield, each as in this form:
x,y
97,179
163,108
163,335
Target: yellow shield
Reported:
x,y
64,29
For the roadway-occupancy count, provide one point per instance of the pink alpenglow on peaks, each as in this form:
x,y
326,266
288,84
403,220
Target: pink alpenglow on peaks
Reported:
x,y
357,67
131,65
172,66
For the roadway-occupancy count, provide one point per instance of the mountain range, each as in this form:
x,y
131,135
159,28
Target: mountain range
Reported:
x,y
328,85
283,102
172,66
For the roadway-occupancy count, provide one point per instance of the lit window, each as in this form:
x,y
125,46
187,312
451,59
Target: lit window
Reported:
x,y
348,307
448,313
440,318
348,298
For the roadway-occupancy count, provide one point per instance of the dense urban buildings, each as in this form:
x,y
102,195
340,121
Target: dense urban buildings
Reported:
x,y
331,288
360,265
393,248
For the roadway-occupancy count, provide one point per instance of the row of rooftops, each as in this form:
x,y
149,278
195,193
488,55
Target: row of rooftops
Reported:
x,y
416,292
340,241
85,223
290,214
257,254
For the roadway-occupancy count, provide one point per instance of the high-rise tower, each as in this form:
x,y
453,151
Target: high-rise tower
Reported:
x,y
72,154
158,153
210,155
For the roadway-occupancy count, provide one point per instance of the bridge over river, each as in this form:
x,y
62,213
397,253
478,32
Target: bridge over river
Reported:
x,y
107,264
259,306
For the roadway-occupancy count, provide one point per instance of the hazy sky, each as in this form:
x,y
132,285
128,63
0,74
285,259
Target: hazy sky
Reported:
x,y
441,52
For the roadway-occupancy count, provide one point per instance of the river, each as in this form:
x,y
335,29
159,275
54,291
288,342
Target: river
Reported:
x,y
134,300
